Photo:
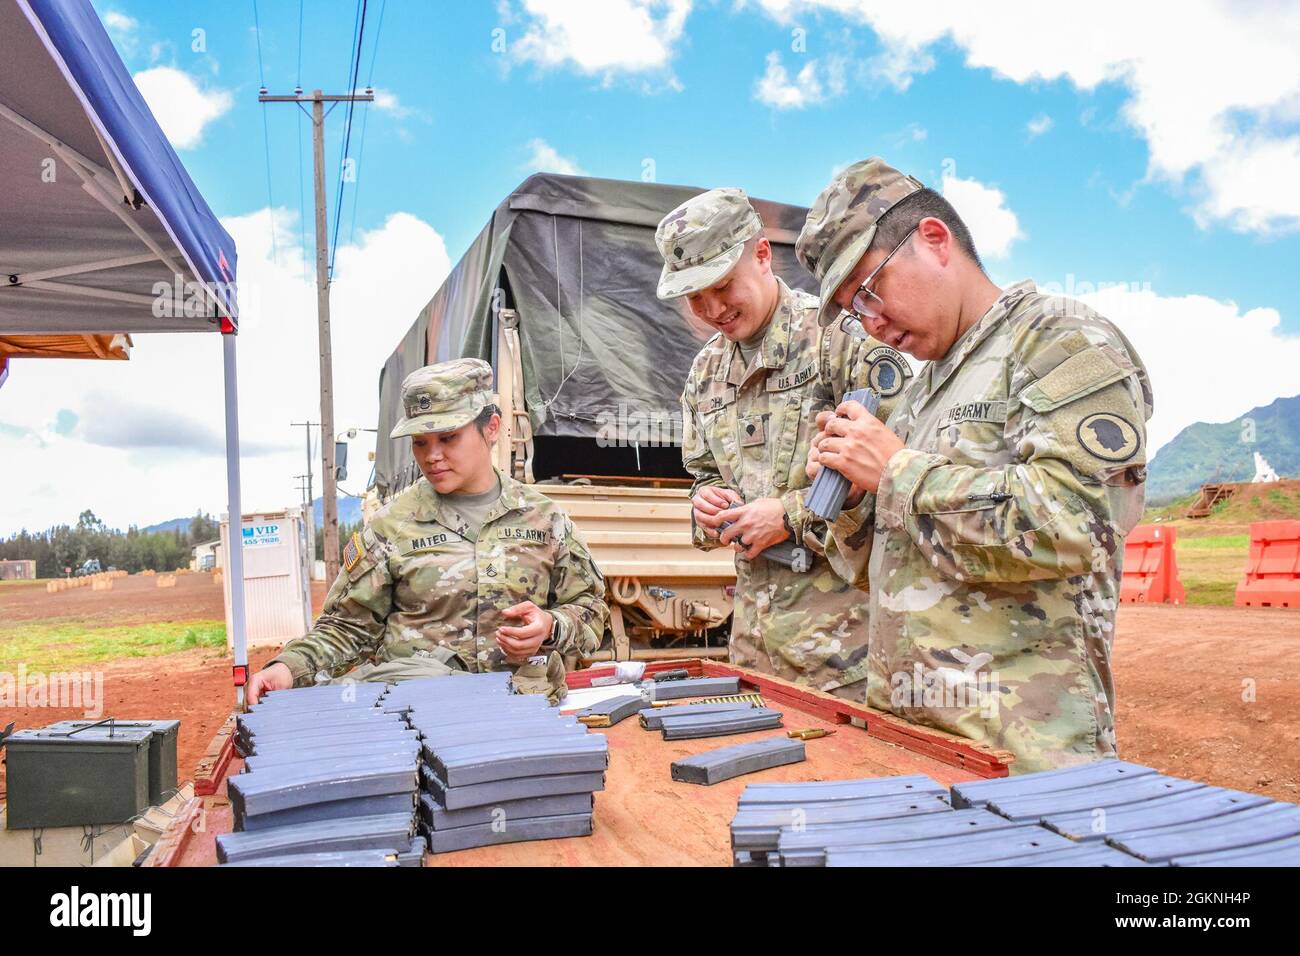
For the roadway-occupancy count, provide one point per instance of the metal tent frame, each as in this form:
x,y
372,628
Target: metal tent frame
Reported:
x,y
89,259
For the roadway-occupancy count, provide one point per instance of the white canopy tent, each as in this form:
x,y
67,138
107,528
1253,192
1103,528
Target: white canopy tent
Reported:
x,y
102,232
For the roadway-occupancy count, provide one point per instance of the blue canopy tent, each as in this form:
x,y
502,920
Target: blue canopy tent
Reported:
x,y
102,231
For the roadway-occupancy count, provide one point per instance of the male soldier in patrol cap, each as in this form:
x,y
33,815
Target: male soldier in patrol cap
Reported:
x,y
748,410
465,570
995,504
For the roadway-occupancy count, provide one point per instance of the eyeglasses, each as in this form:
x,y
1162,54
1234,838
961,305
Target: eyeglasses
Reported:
x,y
866,305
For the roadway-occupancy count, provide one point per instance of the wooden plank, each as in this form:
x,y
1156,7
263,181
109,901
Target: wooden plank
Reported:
x,y
644,818
956,751
172,844
212,765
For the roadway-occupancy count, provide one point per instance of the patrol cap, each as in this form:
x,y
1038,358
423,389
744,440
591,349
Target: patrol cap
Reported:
x,y
702,239
842,223
444,397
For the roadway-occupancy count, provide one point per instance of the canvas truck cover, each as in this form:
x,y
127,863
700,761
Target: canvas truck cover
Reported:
x,y
575,257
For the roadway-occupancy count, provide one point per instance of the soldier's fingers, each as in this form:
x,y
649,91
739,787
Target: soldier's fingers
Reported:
x,y
839,426
823,418
717,497
852,411
520,610
709,520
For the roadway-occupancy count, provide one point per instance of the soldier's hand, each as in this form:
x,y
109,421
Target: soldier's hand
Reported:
x,y
275,677
857,445
708,506
755,526
522,642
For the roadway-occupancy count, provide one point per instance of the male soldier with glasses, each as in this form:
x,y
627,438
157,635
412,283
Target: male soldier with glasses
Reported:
x,y
988,519
748,408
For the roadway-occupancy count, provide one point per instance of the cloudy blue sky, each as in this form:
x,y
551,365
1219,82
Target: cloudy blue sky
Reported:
x,y
1144,161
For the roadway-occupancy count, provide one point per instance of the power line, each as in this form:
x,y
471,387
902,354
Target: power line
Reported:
x,y
302,178
347,133
365,119
266,133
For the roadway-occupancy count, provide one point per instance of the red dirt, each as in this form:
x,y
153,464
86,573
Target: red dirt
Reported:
x,y
1179,674
192,686
134,600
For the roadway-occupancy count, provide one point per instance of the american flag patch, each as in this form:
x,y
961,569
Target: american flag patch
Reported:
x,y
352,552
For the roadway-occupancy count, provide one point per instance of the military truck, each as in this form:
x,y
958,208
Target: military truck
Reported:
x,y
557,292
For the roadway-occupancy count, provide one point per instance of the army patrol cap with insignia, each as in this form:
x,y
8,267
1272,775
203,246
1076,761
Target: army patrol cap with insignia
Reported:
x,y
702,240
444,397
842,223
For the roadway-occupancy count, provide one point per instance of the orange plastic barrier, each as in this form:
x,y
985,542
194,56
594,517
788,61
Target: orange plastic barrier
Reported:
x,y
1273,566
1150,568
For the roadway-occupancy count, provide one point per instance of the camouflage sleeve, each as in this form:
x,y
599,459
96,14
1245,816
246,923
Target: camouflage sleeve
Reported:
x,y
848,362
846,541
1077,418
698,460
577,597
351,624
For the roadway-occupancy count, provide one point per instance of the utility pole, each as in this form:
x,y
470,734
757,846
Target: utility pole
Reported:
x,y
329,479
311,495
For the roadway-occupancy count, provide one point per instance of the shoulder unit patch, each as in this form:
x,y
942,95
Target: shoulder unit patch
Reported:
x,y
353,551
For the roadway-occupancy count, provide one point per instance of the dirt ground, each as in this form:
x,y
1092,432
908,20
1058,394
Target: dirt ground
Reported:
x,y
133,600
1211,693
192,686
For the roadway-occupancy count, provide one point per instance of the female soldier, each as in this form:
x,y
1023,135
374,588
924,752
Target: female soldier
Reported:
x,y
466,570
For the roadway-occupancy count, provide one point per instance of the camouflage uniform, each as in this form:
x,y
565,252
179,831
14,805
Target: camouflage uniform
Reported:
x,y
749,429
420,588
992,548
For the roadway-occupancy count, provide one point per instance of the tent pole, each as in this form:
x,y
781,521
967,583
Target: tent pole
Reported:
x,y
234,523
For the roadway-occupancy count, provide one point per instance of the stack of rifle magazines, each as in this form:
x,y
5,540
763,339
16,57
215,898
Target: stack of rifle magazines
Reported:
x,y
330,779
498,767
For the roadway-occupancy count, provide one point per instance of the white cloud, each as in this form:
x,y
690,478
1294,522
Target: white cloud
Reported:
x,y
1213,89
1249,364
544,158
148,444
776,89
993,225
605,38
386,101
182,107
1039,125
118,22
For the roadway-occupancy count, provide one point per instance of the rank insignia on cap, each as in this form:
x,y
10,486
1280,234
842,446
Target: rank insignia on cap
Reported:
x,y
352,552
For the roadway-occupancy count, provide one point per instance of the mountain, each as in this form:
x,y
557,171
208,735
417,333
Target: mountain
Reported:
x,y
349,513
1202,452
175,524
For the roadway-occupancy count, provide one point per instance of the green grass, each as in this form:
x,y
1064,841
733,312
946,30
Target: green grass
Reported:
x,y
1210,567
64,645
1221,542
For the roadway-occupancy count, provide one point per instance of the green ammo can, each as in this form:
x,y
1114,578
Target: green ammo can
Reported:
x,y
162,748
71,777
